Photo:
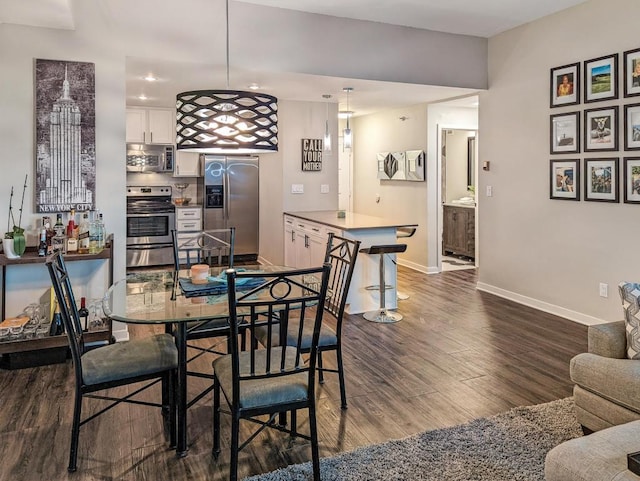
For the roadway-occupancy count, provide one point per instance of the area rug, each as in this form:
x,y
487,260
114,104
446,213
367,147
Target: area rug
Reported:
x,y
507,447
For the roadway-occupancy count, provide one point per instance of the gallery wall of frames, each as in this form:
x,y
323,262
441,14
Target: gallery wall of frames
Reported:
x,y
596,129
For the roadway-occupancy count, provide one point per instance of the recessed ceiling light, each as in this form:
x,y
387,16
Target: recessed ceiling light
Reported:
x,y
254,86
150,78
142,97
345,114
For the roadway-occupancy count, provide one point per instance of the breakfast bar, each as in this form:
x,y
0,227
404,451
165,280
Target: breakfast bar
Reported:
x,y
305,241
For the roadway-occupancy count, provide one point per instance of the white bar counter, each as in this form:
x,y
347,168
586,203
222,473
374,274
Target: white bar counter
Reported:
x,y
369,230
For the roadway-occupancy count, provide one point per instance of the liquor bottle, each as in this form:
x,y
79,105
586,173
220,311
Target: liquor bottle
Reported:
x,y
59,241
83,313
42,246
57,326
72,233
101,233
46,224
93,234
83,235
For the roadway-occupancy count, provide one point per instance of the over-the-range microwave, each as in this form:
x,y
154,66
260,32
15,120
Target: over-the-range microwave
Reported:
x,y
149,158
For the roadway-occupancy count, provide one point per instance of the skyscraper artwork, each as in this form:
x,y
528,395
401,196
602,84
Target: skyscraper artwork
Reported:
x,y
65,136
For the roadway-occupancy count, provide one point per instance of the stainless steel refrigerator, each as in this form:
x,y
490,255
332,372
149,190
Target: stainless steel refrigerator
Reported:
x,y
228,190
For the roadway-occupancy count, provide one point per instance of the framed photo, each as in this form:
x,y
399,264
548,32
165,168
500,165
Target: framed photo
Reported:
x,y
632,127
632,73
565,85
564,179
565,133
601,179
601,129
632,180
601,78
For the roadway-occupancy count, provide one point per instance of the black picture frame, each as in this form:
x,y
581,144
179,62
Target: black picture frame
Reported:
x,y
564,133
632,127
601,180
601,129
559,96
564,179
601,78
631,60
631,180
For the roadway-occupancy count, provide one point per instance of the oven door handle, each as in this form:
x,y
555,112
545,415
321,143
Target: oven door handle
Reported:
x,y
146,247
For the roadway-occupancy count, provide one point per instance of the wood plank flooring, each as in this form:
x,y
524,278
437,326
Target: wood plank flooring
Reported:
x,y
458,354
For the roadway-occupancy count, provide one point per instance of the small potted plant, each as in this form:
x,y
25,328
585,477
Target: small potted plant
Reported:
x,y
14,243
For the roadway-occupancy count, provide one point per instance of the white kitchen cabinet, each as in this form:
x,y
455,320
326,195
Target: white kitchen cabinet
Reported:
x,y
305,243
151,126
187,219
187,164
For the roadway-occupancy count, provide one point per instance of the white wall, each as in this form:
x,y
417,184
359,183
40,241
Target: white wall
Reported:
x,y
402,201
550,253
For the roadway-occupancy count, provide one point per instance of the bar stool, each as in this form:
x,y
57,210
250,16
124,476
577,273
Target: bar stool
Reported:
x,y
382,314
400,233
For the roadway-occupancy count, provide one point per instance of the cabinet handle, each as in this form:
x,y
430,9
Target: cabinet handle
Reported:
x,y
315,229
306,240
151,135
177,169
293,236
144,137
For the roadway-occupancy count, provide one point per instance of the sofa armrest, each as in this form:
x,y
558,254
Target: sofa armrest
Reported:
x,y
608,340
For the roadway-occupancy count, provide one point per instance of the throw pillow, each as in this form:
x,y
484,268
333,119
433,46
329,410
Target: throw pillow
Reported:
x,y
630,294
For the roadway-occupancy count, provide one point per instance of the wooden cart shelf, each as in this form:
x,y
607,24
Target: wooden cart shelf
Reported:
x,y
50,342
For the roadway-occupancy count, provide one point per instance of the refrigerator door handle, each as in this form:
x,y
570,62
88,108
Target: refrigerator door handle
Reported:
x,y
227,196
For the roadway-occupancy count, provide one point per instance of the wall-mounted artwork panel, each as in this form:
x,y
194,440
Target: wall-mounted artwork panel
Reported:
x,y
415,164
401,165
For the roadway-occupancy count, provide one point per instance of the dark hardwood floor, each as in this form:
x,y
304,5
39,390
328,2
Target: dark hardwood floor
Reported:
x,y
457,355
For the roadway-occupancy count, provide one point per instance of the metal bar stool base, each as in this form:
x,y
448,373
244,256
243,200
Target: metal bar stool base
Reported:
x,y
402,296
383,316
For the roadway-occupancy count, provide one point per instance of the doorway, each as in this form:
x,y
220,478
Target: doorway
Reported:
x,y
458,181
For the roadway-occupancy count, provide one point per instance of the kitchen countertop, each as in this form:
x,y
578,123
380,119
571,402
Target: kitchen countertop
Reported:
x,y
351,221
190,205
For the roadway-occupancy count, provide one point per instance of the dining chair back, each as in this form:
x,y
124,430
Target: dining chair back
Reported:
x,y
154,359
275,378
212,246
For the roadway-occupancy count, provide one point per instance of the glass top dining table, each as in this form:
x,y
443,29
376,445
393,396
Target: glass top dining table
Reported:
x,y
158,298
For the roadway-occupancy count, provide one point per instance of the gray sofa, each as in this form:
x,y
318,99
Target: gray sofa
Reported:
x,y
607,383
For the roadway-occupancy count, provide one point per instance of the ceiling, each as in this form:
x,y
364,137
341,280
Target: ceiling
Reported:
x,y
482,18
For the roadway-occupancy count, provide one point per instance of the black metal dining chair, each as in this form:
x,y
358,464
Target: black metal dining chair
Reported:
x,y
341,253
214,247
276,378
153,358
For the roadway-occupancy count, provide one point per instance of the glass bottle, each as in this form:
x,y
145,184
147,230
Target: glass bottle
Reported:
x,y
83,313
58,241
42,246
83,235
101,233
72,233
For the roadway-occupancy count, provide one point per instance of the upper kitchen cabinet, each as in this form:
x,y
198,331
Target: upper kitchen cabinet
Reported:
x,y
187,164
151,126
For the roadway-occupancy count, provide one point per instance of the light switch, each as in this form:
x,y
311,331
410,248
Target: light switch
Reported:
x,y
297,188
324,188
489,191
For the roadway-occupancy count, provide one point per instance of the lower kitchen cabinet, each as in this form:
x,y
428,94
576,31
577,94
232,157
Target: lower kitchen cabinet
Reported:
x,y
305,242
458,233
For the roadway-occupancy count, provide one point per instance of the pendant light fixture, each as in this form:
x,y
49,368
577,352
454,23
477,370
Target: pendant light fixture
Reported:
x,y
347,139
226,121
326,141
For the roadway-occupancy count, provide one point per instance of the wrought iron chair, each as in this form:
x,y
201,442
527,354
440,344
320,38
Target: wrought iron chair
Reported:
x,y
213,247
341,253
154,358
276,378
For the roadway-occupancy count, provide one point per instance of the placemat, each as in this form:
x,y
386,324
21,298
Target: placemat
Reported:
x,y
216,286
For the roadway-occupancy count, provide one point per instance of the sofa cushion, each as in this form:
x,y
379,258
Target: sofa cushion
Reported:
x,y
630,294
612,379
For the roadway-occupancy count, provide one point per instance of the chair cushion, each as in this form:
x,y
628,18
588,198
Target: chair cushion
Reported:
x,y
255,393
613,379
630,294
129,359
327,337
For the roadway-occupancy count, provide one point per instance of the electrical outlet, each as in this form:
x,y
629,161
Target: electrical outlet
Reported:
x,y
324,188
604,290
297,188
489,191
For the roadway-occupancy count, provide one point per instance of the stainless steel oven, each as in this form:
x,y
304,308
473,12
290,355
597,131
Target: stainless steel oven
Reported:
x,y
150,219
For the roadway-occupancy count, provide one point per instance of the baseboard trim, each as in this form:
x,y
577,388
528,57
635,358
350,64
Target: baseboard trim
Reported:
x,y
540,305
414,266
263,261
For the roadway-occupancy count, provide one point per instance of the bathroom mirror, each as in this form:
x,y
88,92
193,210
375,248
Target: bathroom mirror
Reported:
x,y
471,161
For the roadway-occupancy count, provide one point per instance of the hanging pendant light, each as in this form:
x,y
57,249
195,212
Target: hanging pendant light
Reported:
x,y
226,121
326,141
347,138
